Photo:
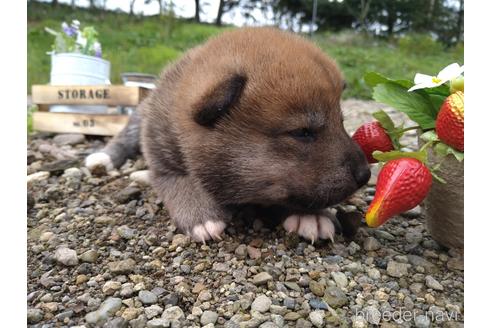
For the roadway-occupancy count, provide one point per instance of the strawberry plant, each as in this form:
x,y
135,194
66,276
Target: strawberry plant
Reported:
x,y
437,109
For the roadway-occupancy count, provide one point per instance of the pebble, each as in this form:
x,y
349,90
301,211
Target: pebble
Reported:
x,y
413,237
127,194
69,139
106,309
340,279
38,176
66,256
208,317
122,267
110,287
89,256
147,297
433,283
318,304
253,252
316,288
371,244
174,313
158,323
374,274
335,297
317,318
125,232
34,315
262,278
359,322
180,240
396,269
153,311
261,303
372,314
422,321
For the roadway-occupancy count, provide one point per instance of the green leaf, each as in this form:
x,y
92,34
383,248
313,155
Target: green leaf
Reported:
x,y
442,90
437,101
395,154
417,106
444,150
372,79
438,178
384,119
429,136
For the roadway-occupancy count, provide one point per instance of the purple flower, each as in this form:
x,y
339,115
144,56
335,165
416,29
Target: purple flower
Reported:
x,y
68,30
97,49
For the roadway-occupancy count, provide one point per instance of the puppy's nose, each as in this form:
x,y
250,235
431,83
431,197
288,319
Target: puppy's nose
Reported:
x,y
361,174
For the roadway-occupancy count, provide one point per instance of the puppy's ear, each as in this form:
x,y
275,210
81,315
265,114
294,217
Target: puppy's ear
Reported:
x,y
218,101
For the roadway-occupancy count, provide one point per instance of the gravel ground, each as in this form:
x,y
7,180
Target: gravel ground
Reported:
x,y
103,253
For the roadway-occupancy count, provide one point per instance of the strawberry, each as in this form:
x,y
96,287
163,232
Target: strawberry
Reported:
x,y
370,137
402,184
450,122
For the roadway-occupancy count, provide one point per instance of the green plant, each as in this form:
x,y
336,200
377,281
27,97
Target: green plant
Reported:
x,y
419,44
73,39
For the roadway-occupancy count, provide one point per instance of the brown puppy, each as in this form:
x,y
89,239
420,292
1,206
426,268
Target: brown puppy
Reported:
x,y
251,120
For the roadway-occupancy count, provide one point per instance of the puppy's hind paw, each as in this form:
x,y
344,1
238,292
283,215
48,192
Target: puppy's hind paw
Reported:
x,y
99,160
310,227
208,230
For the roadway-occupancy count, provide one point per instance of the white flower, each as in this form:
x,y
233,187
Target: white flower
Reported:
x,y
447,73
75,23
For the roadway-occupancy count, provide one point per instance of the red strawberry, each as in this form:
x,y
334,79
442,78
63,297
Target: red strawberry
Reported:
x,y
402,184
450,122
371,137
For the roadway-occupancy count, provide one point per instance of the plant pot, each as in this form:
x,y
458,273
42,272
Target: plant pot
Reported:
x,y
443,206
78,69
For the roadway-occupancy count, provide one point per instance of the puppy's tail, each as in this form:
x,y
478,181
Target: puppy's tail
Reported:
x,y
124,145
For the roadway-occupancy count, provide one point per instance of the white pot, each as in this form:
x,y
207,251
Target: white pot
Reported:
x,y
78,69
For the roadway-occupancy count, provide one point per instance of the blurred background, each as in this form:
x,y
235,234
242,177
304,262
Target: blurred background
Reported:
x,y
394,37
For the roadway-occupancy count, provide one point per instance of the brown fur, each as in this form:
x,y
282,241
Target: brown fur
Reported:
x,y
217,132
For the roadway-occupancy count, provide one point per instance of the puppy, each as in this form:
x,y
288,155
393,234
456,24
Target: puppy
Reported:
x,y
249,122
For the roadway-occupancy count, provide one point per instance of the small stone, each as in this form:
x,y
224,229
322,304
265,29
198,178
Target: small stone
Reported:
x,y
317,318
147,297
374,274
158,323
318,304
125,232
174,313
316,288
422,321
372,315
396,269
104,220
371,244
290,303
420,261
130,313
110,287
141,177
204,296
69,139
152,311
433,283
335,297
261,303
253,252
208,317
180,240
241,251
38,176
353,248
122,267
73,173
127,194
89,256
66,256
46,236
262,278
456,263
413,237
34,315
359,322
340,279
292,316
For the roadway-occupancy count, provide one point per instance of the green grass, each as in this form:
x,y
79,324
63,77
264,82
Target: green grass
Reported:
x,y
147,44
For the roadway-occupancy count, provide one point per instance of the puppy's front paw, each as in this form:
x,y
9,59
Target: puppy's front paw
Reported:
x,y
208,230
99,159
310,227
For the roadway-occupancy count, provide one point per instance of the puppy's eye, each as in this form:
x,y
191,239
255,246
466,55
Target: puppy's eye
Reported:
x,y
304,134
